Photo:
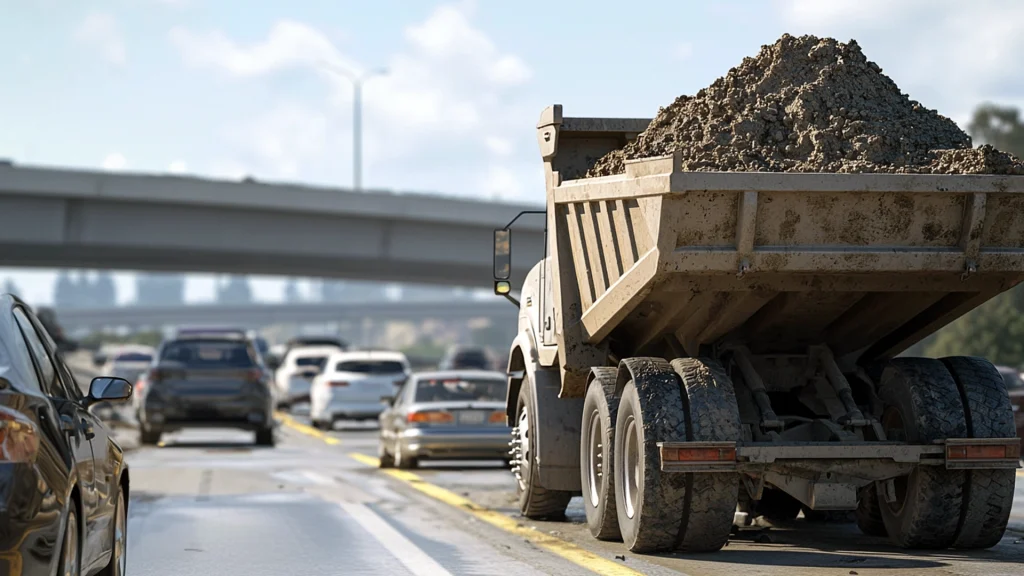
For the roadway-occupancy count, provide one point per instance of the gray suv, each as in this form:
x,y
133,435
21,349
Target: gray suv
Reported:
x,y
207,381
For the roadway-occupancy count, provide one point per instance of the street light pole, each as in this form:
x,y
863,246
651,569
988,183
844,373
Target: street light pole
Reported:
x,y
357,117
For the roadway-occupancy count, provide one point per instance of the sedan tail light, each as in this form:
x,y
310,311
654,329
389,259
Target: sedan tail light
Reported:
x,y
254,375
19,437
430,417
338,384
498,417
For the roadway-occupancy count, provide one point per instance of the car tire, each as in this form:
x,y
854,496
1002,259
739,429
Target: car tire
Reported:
x,y
597,440
71,546
119,539
265,436
149,436
386,459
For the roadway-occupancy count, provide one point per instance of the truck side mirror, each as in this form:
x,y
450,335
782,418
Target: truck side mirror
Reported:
x,y
502,254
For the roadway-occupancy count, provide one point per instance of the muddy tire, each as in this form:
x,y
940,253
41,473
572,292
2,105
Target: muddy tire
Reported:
x,y
535,501
922,405
988,494
648,502
868,513
712,415
597,443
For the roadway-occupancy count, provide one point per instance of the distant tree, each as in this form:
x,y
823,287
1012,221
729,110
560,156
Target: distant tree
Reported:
x,y
994,330
1000,126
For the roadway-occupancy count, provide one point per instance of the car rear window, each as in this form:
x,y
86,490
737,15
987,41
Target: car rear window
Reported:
x,y
208,354
311,362
133,357
370,367
455,389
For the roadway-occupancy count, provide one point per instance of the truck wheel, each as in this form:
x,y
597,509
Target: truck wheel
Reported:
x,y
713,416
535,501
869,513
777,506
597,438
922,405
649,502
988,494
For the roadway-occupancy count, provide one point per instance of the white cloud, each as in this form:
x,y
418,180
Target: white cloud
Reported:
x,y
684,50
177,167
950,55
288,45
102,32
448,112
498,146
114,162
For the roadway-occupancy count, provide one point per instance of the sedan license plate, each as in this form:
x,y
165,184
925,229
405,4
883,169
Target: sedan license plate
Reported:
x,y
474,417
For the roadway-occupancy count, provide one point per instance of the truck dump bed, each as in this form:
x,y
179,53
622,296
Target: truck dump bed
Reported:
x,y
868,264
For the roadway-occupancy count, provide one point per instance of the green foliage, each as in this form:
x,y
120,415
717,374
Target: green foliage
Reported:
x,y
995,330
999,126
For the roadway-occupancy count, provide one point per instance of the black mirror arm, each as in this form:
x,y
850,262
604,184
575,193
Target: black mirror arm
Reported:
x,y
511,299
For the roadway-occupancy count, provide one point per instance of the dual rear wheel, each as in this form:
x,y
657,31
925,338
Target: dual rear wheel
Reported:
x,y
625,493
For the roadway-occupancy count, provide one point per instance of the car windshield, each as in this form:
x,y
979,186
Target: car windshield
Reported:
x,y
370,367
456,389
208,354
133,357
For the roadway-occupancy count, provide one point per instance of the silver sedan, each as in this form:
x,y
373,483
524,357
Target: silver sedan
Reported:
x,y
447,415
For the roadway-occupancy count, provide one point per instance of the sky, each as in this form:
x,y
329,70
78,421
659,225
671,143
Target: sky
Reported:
x,y
229,88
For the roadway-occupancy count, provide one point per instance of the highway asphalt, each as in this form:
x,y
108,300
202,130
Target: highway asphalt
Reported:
x,y
209,502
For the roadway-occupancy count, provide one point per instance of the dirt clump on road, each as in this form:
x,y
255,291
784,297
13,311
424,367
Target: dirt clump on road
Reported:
x,y
808,104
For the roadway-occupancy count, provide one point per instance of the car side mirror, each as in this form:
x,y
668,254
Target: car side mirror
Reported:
x,y
273,362
108,388
502,254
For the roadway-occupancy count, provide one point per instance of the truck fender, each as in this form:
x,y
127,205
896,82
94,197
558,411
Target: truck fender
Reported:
x,y
558,419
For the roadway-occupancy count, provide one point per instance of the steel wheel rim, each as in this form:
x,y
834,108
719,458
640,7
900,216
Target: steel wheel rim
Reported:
x,y
121,537
524,447
632,470
70,556
594,459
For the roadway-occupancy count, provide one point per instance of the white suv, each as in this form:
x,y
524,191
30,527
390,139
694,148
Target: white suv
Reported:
x,y
293,379
352,385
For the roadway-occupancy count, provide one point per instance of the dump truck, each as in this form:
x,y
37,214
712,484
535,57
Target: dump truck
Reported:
x,y
696,348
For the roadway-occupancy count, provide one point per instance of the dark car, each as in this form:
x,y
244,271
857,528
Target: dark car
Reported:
x,y
466,358
63,478
1015,388
262,346
207,381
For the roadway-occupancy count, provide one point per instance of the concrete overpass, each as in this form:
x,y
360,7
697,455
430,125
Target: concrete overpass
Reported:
x,y
259,315
79,219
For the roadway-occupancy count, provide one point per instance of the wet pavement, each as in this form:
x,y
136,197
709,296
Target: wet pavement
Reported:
x,y
209,502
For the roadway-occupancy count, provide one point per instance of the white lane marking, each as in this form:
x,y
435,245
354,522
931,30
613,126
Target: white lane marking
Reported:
x,y
416,560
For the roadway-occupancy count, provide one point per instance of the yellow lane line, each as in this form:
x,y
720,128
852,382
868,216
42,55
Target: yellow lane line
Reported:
x,y
307,430
1020,473
570,552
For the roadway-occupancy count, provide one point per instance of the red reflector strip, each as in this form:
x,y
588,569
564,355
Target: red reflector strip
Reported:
x,y
983,452
338,384
698,454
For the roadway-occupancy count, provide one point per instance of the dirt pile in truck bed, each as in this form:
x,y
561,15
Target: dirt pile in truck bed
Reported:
x,y
807,104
